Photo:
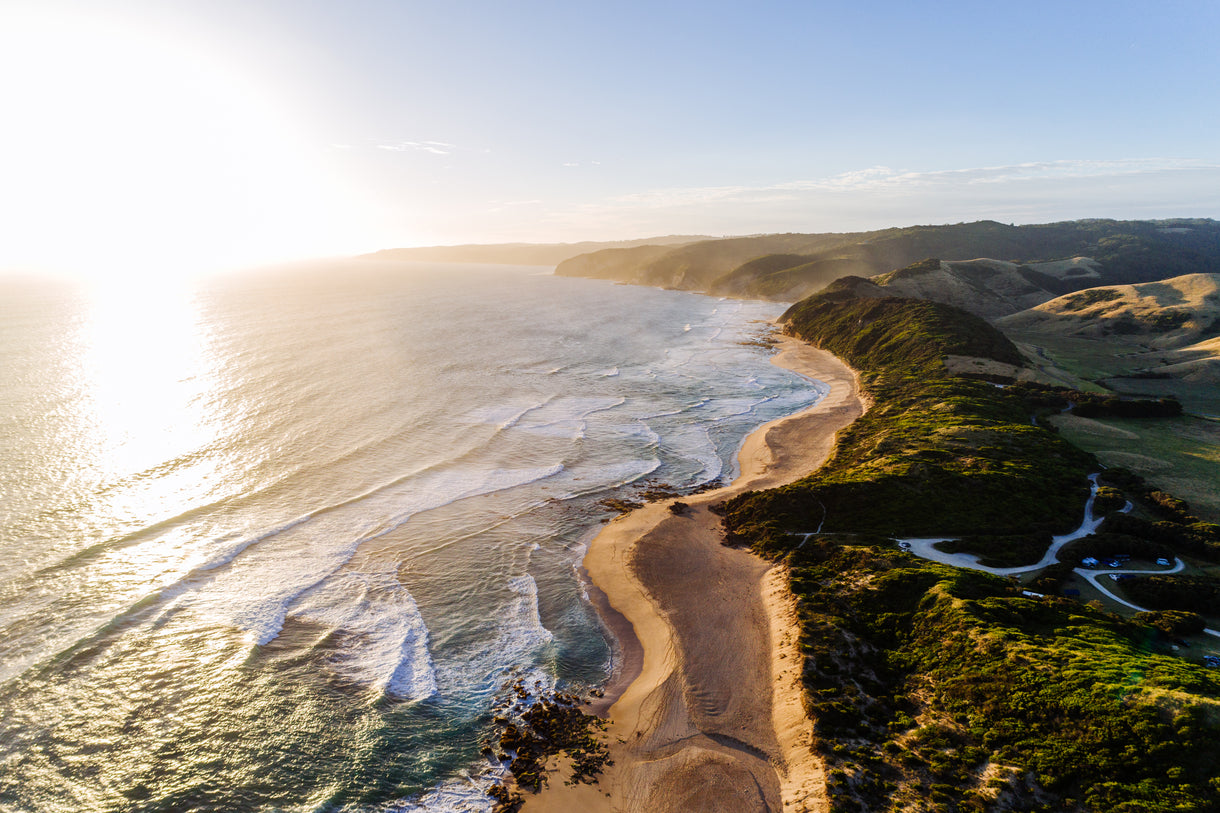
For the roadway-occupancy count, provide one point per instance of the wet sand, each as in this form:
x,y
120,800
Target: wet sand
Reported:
x,y
710,715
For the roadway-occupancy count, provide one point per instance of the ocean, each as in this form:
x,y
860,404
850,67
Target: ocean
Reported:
x,y
281,540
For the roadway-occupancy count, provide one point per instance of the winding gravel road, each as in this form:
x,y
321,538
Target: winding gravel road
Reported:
x,y
925,549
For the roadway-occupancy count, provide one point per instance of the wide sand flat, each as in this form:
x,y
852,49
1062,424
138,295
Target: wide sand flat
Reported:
x,y
713,721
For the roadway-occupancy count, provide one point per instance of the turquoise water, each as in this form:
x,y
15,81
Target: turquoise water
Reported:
x,y
279,541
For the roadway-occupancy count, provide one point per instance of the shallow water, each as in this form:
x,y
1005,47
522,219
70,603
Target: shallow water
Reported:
x,y
279,541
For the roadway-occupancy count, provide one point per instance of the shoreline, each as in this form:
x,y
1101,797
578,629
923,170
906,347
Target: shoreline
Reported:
x,y
706,712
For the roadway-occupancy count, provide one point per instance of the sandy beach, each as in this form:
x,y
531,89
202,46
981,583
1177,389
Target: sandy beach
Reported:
x,y
710,716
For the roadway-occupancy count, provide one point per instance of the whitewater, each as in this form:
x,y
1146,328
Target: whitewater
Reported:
x,y
282,540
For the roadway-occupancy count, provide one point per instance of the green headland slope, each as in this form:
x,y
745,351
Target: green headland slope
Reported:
x,y
936,453
938,689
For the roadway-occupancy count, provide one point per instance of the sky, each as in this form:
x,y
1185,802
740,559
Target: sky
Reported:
x,y
141,136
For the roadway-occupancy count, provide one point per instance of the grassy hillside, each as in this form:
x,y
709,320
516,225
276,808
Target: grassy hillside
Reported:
x,y
987,288
1167,314
785,277
1120,252
521,253
1153,339
696,266
1182,455
936,453
938,689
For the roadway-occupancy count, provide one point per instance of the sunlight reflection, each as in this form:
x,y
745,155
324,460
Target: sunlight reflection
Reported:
x,y
145,376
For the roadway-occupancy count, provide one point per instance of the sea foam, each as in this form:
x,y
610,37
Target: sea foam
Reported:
x,y
254,588
518,636
383,638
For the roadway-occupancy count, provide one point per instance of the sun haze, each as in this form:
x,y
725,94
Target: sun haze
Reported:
x,y
131,153
145,138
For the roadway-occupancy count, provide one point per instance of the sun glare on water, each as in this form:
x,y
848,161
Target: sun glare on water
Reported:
x,y
129,154
146,383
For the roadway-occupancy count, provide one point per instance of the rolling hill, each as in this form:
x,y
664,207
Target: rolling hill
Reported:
x,y
522,253
1056,257
1168,314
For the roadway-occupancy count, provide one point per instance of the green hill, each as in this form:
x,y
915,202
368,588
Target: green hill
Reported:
x,y
936,453
933,688
521,253
1074,255
1166,315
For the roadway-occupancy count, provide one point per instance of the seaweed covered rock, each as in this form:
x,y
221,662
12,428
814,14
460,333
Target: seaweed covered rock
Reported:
x,y
535,727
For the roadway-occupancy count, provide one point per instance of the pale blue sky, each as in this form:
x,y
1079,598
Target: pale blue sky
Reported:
x,y
286,128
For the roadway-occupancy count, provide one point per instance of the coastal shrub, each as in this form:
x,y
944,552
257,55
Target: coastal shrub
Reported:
x,y
1169,507
925,673
1044,400
1059,693
1121,478
1196,594
1091,405
1198,539
1050,579
1173,623
1105,545
936,454
1089,297
1175,526
1013,550
1167,319
1107,499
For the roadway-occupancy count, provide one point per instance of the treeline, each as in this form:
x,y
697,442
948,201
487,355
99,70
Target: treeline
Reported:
x,y
1044,399
1195,594
1173,525
1094,406
1001,550
1107,544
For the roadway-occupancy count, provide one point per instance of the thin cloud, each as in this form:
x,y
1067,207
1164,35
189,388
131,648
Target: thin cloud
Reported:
x,y
885,179
433,147
877,178
501,205
875,196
